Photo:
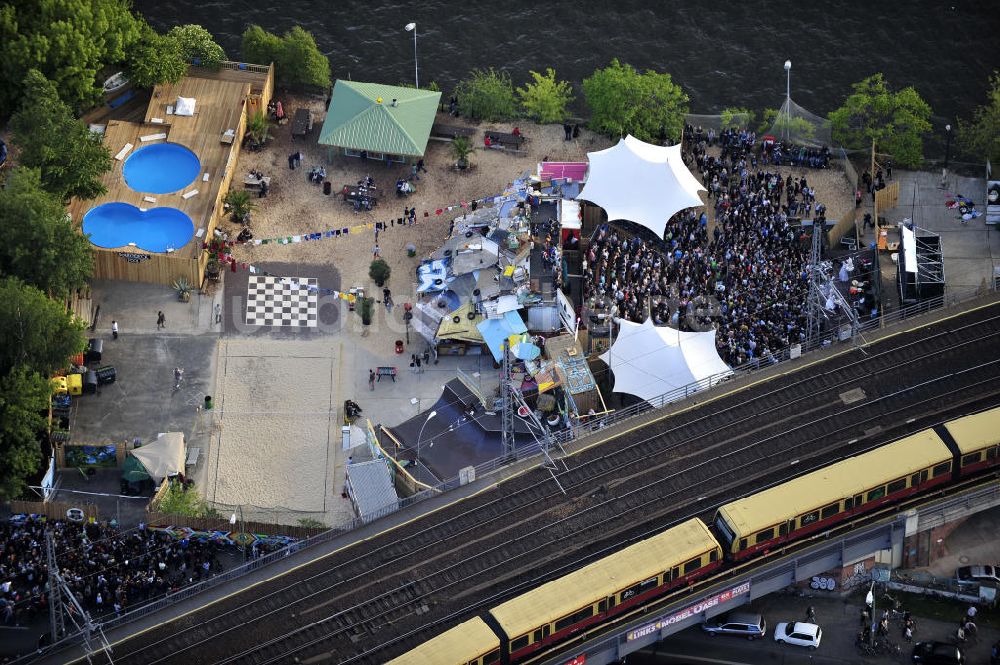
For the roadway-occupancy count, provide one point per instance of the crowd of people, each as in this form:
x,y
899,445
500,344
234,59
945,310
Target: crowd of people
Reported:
x,y
107,569
747,277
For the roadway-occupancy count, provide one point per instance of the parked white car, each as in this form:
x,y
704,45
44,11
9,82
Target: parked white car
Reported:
x,y
799,634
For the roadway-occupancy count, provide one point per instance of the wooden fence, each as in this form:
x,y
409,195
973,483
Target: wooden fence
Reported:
x,y
55,510
888,197
130,265
845,225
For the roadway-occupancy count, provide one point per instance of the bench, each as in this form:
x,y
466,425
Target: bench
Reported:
x,y
450,132
121,99
193,455
302,124
506,140
251,182
386,371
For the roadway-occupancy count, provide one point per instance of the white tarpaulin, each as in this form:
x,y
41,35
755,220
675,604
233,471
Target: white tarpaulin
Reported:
x,y
909,249
649,360
185,106
641,182
163,457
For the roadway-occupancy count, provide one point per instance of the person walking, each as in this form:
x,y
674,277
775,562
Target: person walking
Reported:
x,y
218,313
908,633
178,377
371,379
811,614
419,370
161,320
413,216
414,172
420,165
375,251
114,329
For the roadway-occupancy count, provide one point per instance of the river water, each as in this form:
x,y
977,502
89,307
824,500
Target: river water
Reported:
x,y
722,53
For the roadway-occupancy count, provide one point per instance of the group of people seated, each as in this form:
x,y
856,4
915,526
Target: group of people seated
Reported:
x,y
317,174
363,197
404,187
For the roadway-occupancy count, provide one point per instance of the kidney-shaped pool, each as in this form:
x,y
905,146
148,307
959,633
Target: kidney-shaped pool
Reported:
x,y
155,230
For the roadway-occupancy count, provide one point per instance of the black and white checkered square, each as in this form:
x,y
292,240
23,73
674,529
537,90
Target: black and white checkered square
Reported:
x,y
282,301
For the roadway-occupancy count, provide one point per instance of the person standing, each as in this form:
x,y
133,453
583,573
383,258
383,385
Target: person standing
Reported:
x,y
161,320
375,251
415,172
178,376
218,313
417,360
420,165
114,329
371,379
413,216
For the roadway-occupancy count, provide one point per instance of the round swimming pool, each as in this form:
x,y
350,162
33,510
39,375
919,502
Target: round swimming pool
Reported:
x,y
161,168
118,224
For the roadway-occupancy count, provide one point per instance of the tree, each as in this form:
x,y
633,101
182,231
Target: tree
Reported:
x,y
37,331
259,127
777,122
261,46
154,59
737,117
546,99
897,121
41,246
69,41
197,44
24,397
297,60
981,137
71,158
486,95
461,148
302,65
649,106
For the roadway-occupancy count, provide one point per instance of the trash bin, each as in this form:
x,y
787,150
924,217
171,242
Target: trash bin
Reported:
x,y
106,375
90,382
327,187
208,402
95,348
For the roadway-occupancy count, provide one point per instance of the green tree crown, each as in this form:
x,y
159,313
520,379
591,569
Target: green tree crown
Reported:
x,y
897,121
69,41
154,59
981,137
38,332
197,43
24,397
42,247
649,106
71,158
545,99
486,95
297,60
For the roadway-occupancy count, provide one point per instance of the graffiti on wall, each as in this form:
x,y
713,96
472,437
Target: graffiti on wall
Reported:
x,y
225,537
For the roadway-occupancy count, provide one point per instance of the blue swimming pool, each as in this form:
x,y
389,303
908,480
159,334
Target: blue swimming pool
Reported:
x,y
161,168
118,224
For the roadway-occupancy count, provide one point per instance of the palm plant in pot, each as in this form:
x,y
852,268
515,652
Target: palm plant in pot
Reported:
x,y
240,204
366,308
461,148
379,271
259,127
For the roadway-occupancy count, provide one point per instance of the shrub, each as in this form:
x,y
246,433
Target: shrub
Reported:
x,y
486,95
379,271
297,60
197,43
546,99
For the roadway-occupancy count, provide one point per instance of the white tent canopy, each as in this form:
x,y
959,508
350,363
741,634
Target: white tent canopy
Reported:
x,y
163,457
641,182
649,360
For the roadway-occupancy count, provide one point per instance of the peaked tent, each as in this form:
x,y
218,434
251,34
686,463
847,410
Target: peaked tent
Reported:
x,y
641,182
163,457
361,116
649,360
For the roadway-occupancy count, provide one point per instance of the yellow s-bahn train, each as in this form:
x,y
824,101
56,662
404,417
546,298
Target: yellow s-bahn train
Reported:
x,y
512,631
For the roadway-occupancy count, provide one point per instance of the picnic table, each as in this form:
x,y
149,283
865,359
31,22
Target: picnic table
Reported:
x,y
302,123
253,182
440,130
353,192
506,140
386,371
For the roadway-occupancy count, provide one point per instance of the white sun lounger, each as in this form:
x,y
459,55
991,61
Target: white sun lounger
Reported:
x,y
204,178
152,137
187,195
124,151
156,121
200,233
149,199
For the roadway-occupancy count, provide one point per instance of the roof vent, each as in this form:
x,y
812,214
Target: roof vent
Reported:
x,y
394,101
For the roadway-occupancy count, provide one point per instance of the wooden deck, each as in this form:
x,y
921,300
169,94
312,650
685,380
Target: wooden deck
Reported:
x,y
221,100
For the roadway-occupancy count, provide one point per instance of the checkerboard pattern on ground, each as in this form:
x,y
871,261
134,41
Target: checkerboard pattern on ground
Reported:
x,y
282,301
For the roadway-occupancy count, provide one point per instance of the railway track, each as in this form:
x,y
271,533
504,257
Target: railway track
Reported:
x,y
373,600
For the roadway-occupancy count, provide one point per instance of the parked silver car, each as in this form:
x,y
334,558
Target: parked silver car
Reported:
x,y
744,624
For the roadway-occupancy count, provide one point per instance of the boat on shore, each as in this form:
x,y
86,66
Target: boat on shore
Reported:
x,y
115,83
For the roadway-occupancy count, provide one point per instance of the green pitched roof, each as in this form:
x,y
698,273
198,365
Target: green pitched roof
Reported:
x,y
357,120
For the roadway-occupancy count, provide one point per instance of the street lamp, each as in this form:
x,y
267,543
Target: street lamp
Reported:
x,y
412,27
788,96
947,144
421,433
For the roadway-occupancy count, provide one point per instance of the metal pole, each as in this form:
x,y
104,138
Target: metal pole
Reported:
x,y
416,69
421,433
947,144
788,96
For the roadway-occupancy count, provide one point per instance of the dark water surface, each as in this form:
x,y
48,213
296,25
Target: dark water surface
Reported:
x,y
722,53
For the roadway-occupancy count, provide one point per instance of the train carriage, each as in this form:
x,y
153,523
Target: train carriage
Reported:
x,y
469,643
977,438
821,498
642,571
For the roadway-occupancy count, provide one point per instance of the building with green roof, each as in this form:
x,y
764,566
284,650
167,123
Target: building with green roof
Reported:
x,y
385,121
